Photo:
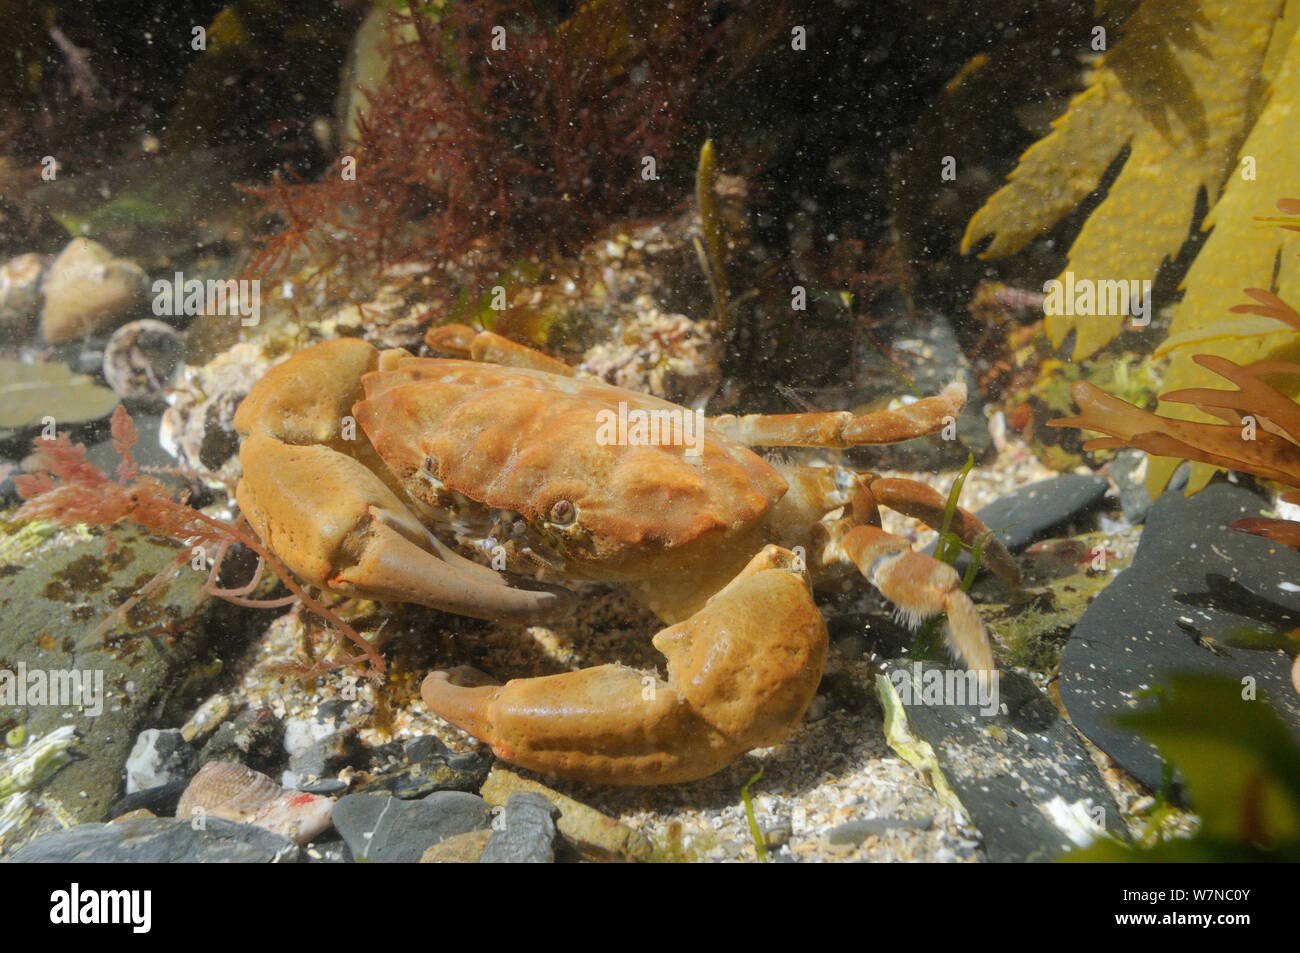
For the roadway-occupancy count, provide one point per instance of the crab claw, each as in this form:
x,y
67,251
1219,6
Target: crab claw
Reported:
x,y
741,672
920,586
363,540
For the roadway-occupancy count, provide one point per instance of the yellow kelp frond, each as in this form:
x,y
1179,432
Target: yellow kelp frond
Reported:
x,y
1179,90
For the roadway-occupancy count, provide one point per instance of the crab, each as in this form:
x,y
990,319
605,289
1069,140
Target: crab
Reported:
x,y
370,474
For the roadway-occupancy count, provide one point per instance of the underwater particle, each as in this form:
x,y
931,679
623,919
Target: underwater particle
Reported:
x,y
88,291
236,793
143,358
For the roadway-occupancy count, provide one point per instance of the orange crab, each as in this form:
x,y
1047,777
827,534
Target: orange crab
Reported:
x,y
369,473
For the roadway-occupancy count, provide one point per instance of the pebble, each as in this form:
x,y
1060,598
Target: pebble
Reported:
x,y
160,756
384,829
439,772
323,757
594,834
159,840
20,294
255,738
855,832
206,718
524,833
88,291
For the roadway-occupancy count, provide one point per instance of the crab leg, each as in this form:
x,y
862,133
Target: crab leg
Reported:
x,y
919,586
844,429
741,672
926,504
464,342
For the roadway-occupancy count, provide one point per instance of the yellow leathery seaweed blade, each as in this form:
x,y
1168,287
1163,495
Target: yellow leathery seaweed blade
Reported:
x,y
1179,89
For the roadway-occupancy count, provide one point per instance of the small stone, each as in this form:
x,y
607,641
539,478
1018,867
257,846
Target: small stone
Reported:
x,y
89,291
143,358
594,834
525,832
158,840
384,829
326,756
460,849
160,756
254,738
20,294
206,718
425,748
778,835
855,832
441,771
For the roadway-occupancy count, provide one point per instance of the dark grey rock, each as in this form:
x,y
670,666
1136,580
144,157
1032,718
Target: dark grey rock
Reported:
x,y
439,771
160,800
525,832
326,787
325,757
384,829
855,832
1194,587
425,748
160,756
1033,511
1013,769
159,840
254,738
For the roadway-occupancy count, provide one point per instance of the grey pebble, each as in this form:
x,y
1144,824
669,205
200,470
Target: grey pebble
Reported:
x,y
525,832
855,832
384,829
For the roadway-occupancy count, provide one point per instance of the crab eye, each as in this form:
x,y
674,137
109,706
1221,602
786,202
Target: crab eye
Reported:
x,y
429,465
562,512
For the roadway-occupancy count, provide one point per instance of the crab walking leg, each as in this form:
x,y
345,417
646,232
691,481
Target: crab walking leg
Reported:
x,y
843,428
362,540
464,342
741,672
926,504
919,586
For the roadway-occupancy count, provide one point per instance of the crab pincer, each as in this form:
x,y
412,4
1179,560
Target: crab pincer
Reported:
x,y
741,672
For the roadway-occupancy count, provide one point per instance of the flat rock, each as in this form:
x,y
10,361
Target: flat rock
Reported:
x,y
1193,588
159,840
54,588
1032,512
524,833
384,829
1015,764
437,770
